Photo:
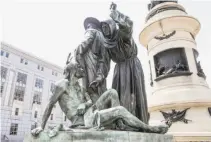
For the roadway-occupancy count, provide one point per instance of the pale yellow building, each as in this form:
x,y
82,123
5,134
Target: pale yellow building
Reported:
x,y
27,83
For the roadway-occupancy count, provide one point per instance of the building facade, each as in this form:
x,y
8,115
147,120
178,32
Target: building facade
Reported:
x,y
27,83
180,93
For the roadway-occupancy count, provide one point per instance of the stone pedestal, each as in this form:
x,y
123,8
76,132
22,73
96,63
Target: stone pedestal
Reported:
x,y
100,136
169,36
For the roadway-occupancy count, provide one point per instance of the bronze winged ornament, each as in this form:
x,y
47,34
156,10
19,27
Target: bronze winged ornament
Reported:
x,y
175,116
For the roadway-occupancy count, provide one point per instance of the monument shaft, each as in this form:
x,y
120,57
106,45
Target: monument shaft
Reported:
x,y
180,93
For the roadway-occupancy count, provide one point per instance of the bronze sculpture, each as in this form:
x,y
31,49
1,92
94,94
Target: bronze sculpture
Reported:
x,y
75,102
103,111
128,77
91,55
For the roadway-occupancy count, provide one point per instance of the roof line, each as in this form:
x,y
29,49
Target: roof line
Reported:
x,y
30,56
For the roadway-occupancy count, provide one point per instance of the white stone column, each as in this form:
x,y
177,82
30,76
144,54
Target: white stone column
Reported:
x,y
9,87
167,27
28,96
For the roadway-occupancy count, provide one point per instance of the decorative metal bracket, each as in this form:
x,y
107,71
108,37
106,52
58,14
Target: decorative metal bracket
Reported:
x,y
209,110
192,36
175,116
151,80
165,36
200,70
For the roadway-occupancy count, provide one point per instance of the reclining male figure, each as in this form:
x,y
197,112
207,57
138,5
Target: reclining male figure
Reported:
x,y
79,109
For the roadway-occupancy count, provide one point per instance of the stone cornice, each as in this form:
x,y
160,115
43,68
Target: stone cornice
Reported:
x,y
178,105
161,9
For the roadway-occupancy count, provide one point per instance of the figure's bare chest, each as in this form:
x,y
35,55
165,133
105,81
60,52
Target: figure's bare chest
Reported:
x,y
74,93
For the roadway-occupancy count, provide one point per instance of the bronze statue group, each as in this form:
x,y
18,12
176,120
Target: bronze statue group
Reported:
x,y
92,105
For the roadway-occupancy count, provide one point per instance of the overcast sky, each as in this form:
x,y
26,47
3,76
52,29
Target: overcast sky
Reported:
x,y
50,29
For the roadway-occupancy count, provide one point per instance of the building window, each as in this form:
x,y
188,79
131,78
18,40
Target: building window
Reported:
x,y
3,72
38,94
51,116
35,114
65,118
3,79
54,73
52,87
37,97
21,61
19,93
7,54
16,111
21,79
20,87
2,87
40,68
39,83
2,53
13,129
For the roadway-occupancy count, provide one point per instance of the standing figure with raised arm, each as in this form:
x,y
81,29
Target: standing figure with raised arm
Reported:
x,y
128,77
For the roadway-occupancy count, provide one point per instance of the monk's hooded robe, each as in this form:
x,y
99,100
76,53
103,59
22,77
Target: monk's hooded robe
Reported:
x,y
128,77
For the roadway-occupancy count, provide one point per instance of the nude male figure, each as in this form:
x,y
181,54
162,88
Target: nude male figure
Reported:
x,y
79,109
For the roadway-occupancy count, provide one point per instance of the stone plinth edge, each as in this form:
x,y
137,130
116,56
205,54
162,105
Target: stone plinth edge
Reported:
x,y
100,136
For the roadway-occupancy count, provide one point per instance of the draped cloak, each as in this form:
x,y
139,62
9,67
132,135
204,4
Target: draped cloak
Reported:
x,y
128,77
96,62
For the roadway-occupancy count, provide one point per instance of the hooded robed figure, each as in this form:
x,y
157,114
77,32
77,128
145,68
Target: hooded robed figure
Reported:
x,y
128,77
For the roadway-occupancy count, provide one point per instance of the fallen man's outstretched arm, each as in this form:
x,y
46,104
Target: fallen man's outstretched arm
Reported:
x,y
54,98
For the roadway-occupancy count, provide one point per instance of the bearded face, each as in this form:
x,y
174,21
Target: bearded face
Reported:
x,y
106,30
109,28
79,72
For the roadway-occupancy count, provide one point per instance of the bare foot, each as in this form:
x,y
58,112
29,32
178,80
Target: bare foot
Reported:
x,y
162,129
120,124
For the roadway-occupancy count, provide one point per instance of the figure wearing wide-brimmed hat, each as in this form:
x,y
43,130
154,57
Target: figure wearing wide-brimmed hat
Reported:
x,y
92,56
